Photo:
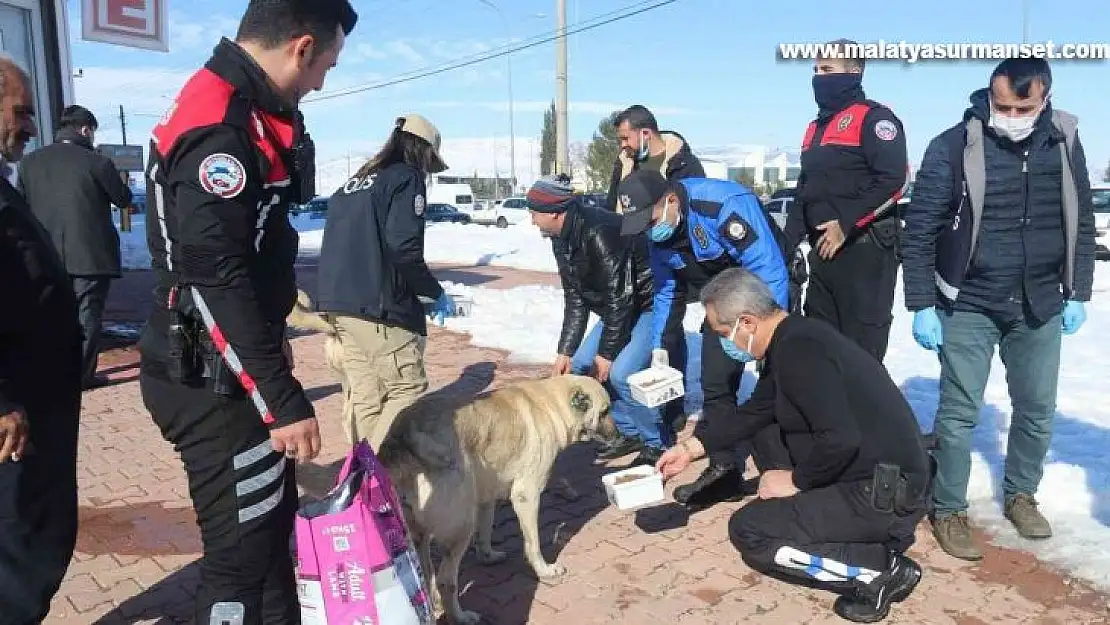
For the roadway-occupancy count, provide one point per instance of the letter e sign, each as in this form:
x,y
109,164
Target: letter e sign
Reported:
x,y
131,23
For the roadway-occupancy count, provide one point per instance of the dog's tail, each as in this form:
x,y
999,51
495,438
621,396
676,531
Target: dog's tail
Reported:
x,y
303,317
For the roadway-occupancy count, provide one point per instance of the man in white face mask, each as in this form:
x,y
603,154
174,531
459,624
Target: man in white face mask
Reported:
x,y
998,251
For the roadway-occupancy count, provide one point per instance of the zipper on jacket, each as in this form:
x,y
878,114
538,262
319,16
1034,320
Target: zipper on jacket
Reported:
x,y
1024,220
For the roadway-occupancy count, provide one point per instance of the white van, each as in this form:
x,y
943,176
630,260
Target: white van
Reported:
x,y
503,213
458,195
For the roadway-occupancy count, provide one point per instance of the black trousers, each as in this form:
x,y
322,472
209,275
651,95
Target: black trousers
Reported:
x,y
92,295
245,497
674,341
38,511
720,381
855,292
828,530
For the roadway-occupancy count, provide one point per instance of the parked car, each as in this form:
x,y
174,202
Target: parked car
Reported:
x,y
445,213
508,212
596,200
783,200
317,208
1100,197
778,207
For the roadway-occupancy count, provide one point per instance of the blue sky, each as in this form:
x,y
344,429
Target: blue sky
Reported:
x,y
708,68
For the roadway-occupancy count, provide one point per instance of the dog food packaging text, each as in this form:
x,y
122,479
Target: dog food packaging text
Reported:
x,y
355,560
634,487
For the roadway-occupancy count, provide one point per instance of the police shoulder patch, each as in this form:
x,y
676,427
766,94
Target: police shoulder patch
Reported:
x,y
418,205
886,130
222,175
738,232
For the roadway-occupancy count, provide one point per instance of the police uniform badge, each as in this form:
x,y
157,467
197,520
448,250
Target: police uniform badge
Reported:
x,y
701,237
886,130
222,175
845,121
418,205
738,232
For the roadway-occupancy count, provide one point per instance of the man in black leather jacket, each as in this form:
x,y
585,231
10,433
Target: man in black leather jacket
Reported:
x,y
608,275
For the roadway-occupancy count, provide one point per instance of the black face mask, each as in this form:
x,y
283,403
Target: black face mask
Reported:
x,y
834,92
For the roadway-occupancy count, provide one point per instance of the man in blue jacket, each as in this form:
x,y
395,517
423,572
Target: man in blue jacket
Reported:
x,y
1001,237
698,228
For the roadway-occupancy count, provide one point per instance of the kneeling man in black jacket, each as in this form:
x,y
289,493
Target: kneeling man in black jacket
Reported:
x,y
608,275
844,515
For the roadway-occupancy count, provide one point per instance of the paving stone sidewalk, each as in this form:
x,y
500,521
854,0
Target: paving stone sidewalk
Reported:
x,y
138,542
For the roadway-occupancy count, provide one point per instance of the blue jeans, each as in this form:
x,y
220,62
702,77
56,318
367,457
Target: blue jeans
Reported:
x,y
631,418
1032,360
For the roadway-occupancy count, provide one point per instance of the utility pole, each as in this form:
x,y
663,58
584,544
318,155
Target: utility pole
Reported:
x,y
123,124
1025,21
562,148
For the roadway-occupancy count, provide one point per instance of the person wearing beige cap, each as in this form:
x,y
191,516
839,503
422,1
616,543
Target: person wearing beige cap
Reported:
x,y
372,276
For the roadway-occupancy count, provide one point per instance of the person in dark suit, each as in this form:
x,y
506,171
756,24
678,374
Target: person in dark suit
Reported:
x,y
40,386
71,189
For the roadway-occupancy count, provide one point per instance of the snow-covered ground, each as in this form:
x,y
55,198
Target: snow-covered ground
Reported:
x,y
1075,491
517,247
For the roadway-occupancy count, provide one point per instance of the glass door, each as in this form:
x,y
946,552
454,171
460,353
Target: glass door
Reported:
x,y
21,39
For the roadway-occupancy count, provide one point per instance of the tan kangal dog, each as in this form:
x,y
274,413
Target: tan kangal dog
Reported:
x,y
451,467
453,462
304,318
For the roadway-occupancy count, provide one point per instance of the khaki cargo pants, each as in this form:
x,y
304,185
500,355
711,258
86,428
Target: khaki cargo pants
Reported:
x,y
385,374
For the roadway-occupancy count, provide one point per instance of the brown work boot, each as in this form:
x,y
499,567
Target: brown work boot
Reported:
x,y
953,533
1027,519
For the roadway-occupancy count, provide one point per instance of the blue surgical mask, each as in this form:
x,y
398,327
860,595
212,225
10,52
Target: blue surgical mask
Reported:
x,y
662,230
732,351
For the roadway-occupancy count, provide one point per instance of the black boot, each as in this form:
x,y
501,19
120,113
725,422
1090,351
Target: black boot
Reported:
x,y
719,482
649,457
619,447
870,603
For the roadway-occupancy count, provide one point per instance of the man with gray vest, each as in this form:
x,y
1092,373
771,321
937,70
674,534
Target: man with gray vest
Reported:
x,y
998,250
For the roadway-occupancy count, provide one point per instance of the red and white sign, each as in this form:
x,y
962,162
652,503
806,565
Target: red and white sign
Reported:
x,y
131,23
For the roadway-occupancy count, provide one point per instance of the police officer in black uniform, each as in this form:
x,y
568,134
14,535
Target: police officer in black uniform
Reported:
x,y
226,162
854,170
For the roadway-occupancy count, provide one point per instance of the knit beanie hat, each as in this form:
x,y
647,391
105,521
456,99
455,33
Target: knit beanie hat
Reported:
x,y
552,194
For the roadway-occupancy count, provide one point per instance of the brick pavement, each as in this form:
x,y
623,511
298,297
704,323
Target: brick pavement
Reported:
x,y
138,540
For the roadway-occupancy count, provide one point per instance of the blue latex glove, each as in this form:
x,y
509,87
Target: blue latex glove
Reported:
x,y
1075,315
927,329
444,307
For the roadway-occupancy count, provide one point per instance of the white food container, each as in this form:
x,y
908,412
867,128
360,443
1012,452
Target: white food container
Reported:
x,y
656,385
463,305
644,489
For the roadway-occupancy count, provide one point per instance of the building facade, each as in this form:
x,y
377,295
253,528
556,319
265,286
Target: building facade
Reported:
x,y
35,35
